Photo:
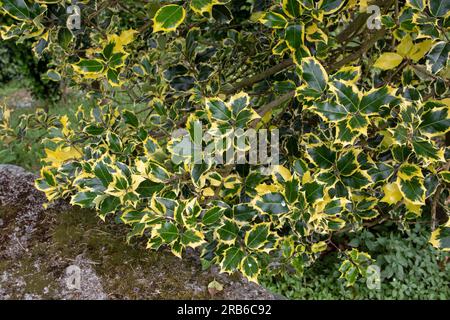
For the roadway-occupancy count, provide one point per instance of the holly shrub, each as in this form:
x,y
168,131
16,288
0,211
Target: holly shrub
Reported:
x,y
360,101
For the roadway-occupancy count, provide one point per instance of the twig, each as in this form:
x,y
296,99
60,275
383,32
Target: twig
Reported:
x,y
259,77
273,104
434,208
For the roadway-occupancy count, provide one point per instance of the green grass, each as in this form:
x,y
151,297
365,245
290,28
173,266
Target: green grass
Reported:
x,y
10,88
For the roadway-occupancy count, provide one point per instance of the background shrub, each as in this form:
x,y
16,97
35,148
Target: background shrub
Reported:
x,y
411,269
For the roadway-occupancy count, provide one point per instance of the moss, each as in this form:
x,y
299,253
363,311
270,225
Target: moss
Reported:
x,y
123,268
37,277
126,271
40,282
26,277
7,214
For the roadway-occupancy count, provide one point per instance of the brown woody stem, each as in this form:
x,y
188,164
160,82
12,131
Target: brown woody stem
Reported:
x,y
259,77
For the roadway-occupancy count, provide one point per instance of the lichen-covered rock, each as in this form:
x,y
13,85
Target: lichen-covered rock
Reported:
x,y
65,253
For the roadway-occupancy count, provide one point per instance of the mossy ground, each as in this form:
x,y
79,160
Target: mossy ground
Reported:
x,y
125,268
126,271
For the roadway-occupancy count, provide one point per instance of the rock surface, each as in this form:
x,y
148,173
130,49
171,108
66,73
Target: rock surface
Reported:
x,y
65,253
21,98
18,99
